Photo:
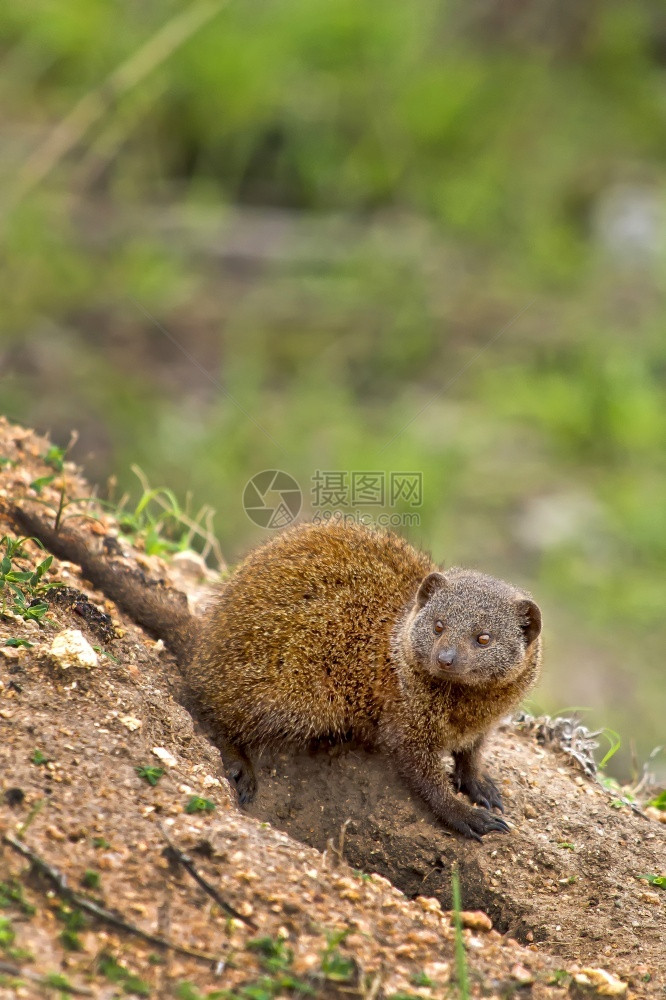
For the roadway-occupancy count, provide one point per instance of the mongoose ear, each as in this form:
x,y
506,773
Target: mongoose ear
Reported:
x,y
429,585
529,614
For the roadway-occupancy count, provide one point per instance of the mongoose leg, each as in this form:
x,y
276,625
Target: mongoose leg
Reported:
x,y
468,778
240,771
426,774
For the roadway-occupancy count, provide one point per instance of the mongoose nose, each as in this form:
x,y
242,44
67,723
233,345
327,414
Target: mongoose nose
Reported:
x,y
447,657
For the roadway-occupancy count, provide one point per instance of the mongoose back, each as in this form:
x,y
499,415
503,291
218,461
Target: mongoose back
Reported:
x,y
331,630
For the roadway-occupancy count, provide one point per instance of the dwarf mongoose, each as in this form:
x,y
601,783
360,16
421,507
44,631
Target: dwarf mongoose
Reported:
x,y
333,629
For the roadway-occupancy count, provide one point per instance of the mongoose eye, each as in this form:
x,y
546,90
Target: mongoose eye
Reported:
x,y
439,626
483,639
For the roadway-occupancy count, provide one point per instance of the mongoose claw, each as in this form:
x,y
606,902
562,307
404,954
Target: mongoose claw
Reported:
x,y
481,791
475,823
245,781
499,824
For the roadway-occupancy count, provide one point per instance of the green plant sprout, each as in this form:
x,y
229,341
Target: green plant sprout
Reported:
x,y
198,804
23,591
615,742
150,774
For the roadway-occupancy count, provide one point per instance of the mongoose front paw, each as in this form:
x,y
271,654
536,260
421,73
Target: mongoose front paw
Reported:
x,y
482,791
242,774
474,823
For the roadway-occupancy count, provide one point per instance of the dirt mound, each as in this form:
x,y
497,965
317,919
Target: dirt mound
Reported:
x,y
73,733
566,875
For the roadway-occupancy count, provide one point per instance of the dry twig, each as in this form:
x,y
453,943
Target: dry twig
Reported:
x,y
185,860
100,912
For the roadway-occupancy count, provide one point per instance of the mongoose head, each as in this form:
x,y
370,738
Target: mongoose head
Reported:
x,y
469,628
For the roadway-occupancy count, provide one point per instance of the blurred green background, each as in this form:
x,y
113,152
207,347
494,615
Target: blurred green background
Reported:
x,y
424,236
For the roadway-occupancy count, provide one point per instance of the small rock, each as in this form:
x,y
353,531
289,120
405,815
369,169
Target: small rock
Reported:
x,y
429,904
522,975
406,951
71,649
191,564
165,756
603,982
110,861
438,971
130,722
303,964
247,876
476,920
344,883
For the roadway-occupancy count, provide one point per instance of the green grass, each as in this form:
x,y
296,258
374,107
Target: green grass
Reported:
x,y
7,933
276,958
462,976
74,921
91,879
12,896
274,954
335,966
109,967
164,525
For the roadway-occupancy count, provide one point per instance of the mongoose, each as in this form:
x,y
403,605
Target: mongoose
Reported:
x,y
332,629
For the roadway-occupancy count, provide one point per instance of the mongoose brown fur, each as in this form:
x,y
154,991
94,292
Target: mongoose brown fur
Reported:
x,y
333,629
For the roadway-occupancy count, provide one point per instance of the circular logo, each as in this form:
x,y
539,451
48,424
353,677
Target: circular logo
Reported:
x,y
272,499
